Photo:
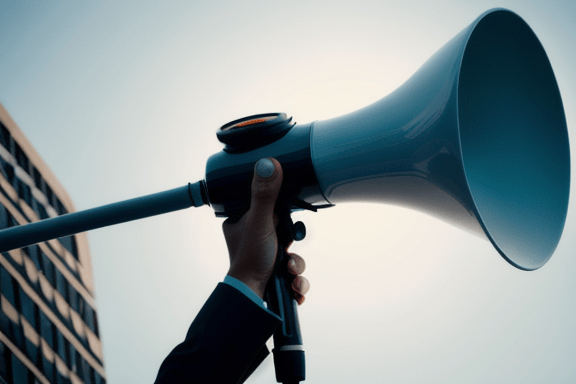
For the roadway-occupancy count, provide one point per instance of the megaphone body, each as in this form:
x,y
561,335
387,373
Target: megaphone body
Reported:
x,y
477,137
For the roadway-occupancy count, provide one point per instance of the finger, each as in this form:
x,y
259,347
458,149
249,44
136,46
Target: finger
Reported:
x,y
299,298
301,285
265,186
296,264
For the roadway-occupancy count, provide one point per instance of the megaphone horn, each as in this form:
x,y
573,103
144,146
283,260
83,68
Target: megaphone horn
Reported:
x,y
477,137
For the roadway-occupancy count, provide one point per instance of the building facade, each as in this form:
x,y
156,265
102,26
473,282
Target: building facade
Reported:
x,y
48,323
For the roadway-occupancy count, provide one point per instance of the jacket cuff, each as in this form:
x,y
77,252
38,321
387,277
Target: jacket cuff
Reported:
x,y
249,293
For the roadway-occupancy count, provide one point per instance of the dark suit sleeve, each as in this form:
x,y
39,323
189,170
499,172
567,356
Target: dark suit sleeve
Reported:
x,y
224,344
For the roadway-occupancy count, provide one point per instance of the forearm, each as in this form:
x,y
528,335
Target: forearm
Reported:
x,y
223,343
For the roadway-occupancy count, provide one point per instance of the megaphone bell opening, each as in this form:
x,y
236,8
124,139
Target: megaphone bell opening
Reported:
x,y
513,139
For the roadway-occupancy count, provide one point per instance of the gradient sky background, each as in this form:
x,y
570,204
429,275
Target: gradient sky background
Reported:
x,y
123,99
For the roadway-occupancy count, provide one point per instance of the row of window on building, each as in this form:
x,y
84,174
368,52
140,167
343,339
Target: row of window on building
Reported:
x,y
59,350
14,371
7,220
20,300
66,290
43,264
13,302
14,148
24,192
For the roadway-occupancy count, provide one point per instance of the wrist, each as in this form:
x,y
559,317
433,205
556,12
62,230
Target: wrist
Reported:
x,y
255,283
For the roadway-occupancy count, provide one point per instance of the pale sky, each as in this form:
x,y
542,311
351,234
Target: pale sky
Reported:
x,y
122,100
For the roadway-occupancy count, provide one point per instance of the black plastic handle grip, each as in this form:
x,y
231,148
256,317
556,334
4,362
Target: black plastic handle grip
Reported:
x,y
289,361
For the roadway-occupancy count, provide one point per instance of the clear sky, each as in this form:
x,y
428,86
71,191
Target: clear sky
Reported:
x,y
123,99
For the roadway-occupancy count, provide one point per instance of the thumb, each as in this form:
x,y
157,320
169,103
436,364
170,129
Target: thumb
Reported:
x,y
265,186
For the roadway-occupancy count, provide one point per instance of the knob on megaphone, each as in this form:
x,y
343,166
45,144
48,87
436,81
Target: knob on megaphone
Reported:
x,y
477,137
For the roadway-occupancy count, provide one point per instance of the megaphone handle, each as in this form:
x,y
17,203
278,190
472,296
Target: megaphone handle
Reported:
x,y
289,361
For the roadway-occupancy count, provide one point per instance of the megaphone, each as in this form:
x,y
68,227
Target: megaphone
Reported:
x,y
477,137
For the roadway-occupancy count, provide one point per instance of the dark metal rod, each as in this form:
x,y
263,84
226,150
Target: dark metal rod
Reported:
x,y
116,213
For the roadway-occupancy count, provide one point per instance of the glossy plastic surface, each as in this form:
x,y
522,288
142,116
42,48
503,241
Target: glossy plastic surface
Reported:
x,y
477,137
229,175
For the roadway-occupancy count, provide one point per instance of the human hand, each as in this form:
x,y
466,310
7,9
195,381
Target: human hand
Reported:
x,y
252,240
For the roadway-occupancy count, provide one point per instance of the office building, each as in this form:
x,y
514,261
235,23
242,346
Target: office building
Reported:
x,y
48,324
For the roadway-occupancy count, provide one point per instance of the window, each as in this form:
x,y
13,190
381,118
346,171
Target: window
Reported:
x,y
47,329
61,346
21,158
24,191
77,364
7,326
49,269
92,375
60,207
69,242
100,379
19,371
96,329
13,222
4,217
48,368
16,184
5,137
37,177
49,194
81,307
72,359
39,208
7,287
34,253
67,354
5,323
73,298
33,352
61,379
90,318
27,194
12,329
86,370
7,170
62,284
28,308
5,357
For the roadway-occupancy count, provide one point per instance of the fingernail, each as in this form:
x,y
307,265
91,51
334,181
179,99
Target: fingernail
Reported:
x,y
297,285
301,285
265,168
304,286
292,265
